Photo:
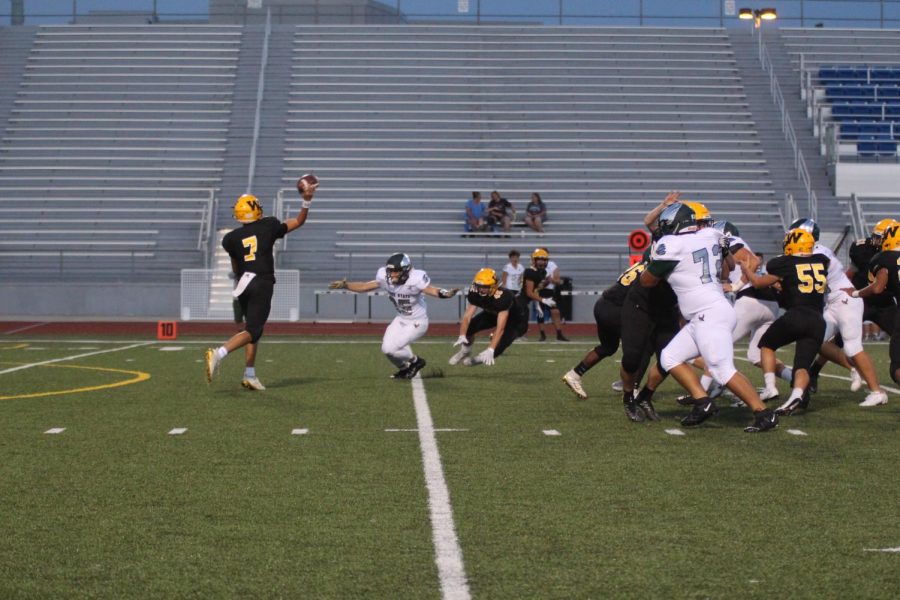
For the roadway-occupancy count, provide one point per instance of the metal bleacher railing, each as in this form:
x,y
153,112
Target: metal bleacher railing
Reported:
x,y
788,128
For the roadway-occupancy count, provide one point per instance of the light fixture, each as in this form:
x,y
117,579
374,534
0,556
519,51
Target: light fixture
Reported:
x,y
757,15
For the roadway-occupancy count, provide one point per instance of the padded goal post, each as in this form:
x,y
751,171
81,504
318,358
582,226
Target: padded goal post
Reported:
x,y
206,296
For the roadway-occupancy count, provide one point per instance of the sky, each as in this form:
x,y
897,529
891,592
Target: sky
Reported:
x,y
711,13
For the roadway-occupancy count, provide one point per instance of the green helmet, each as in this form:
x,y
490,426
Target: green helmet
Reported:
x,y
806,225
728,228
677,218
400,265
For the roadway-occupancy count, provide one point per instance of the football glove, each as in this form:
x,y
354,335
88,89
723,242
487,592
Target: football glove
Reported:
x,y
725,245
461,341
442,293
340,284
548,302
486,357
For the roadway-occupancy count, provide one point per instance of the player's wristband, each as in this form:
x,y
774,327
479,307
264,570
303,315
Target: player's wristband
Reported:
x,y
854,294
306,204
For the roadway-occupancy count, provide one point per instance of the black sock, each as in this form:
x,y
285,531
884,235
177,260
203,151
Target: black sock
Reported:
x,y
814,369
702,400
627,397
581,369
645,394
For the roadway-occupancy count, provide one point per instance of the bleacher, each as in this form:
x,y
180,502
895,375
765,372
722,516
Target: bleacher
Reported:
x,y
402,123
851,81
111,157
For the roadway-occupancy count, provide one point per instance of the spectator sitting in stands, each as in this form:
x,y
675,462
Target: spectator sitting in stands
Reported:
x,y
536,213
500,212
475,214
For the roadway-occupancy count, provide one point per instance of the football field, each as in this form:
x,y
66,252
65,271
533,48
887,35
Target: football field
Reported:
x,y
123,474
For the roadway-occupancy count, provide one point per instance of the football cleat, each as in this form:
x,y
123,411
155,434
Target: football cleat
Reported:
x,y
764,420
768,394
573,380
561,338
875,399
647,407
416,366
635,414
463,353
212,363
715,390
252,383
401,374
813,386
543,337
685,400
617,386
856,381
793,404
471,361
701,412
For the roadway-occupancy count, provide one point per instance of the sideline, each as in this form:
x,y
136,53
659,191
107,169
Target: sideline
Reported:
x,y
448,554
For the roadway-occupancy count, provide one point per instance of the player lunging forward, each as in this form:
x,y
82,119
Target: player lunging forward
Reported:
x,y
405,287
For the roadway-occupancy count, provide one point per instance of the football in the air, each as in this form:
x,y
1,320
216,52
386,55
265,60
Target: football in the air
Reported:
x,y
307,180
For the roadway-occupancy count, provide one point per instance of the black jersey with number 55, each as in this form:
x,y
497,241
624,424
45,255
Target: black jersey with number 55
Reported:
x,y
250,246
804,279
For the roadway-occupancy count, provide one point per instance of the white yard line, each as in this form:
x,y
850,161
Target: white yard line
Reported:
x,y
76,356
448,554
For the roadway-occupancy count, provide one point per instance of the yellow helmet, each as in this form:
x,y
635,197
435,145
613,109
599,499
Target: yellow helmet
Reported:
x,y
539,253
878,231
891,239
247,209
798,242
485,282
701,213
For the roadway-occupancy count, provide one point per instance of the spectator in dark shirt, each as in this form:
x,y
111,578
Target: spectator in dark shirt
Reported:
x,y
500,212
536,213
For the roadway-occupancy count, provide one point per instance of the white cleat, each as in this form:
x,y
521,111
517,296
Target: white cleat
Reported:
x,y
766,394
459,356
471,361
855,380
875,399
618,386
252,383
715,390
212,363
573,380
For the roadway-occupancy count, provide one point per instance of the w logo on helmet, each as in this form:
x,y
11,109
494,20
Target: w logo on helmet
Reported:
x,y
891,239
247,209
798,242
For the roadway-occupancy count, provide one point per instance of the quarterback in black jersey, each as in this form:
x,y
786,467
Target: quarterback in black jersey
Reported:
x,y
608,316
253,263
885,266
804,279
500,311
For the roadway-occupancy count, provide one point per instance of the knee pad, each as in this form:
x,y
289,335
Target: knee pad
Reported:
x,y
255,333
631,361
605,351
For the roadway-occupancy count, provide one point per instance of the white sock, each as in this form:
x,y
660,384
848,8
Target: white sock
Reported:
x,y
769,378
221,352
706,381
796,393
249,373
787,374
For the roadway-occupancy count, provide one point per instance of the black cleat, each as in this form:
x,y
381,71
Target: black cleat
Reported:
x,y
813,386
543,337
649,412
401,374
631,408
560,337
703,409
764,420
686,400
415,367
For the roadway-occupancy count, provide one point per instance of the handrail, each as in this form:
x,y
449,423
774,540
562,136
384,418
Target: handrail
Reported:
x,y
206,224
788,212
260,86
788,128
857,221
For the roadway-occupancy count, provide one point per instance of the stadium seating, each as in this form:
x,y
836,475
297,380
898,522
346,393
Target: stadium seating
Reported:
x,y
112,152
404,122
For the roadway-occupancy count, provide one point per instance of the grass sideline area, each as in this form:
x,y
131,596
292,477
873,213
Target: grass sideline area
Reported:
x,y
239,507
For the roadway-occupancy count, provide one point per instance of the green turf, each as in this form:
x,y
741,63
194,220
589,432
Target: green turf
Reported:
x,y
238,507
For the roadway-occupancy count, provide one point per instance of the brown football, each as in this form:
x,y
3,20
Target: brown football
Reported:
x,y
307,180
